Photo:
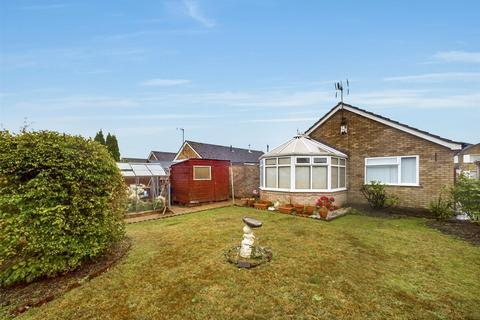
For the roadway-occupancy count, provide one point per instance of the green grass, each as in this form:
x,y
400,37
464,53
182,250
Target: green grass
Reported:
x,y
351,268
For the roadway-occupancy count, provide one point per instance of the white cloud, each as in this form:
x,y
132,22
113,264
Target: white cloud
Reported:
x,y
195,13
76,102
157,82
44,6
416,99
457,56
437,77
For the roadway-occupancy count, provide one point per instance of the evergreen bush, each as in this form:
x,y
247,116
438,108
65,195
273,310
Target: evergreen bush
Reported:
x,y
62,200
377,196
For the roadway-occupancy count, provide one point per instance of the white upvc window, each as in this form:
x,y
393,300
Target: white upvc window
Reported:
x,y
202,173
394,170
303,173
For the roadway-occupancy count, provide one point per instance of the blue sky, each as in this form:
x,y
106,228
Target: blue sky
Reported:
x,y
235,72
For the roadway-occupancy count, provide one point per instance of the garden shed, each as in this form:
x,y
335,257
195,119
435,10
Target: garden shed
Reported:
x,y
199,180
148,185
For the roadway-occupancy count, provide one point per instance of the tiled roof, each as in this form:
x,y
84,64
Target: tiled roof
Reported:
x,y
164,156
328,114
216,152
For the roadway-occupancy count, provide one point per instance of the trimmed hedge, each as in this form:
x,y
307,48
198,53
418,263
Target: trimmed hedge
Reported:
x,y
62,200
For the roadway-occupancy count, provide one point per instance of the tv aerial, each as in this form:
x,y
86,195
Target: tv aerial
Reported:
x,y
342,88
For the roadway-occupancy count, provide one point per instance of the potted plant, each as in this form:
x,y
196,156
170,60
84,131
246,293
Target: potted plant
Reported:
x,y
324,204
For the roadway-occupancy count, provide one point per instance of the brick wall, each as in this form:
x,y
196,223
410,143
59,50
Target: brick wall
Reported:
x,y
369,138
245,179
306,198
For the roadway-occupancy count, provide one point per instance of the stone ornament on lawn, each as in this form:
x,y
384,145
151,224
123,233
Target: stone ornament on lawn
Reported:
x,y
248,237
248,255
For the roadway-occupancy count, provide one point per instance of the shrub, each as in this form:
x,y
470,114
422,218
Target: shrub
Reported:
x,y
466,193
377,197
442,206
62,200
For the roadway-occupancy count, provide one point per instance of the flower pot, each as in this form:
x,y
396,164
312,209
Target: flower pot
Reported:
x,y
285,209
323,212
309,210
262,205
299,209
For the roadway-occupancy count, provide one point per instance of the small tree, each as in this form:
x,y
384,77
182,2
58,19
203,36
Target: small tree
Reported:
x,y
112,146
377,197
466,193
100,138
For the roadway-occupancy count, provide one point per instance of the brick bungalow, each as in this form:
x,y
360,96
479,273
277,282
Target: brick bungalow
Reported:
x,y
359,146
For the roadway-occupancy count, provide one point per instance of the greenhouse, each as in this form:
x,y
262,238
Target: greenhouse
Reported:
x,y
148,186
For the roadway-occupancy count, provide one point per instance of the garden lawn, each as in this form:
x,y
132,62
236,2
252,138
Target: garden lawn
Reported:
x,y
351,268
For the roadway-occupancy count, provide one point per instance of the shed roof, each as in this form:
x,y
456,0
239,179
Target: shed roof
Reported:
x,y
302,145
232,154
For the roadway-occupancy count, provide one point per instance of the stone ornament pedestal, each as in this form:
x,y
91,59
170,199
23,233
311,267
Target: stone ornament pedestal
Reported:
x,y
247,242
248,255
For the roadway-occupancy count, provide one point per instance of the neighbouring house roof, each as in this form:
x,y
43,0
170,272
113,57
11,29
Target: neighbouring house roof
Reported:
x,y
453,145
468,149
302,145
162,156
217,152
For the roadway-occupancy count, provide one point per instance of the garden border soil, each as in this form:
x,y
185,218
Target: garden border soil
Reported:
x,y
21,297
465,230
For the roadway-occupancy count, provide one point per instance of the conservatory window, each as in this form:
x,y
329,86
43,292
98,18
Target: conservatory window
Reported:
x,y
402,170
284,173
271,177
320,177
302,177
303,160
202,173
338,173
303,173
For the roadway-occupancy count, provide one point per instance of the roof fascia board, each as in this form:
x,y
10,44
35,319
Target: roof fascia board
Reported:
x,y
452,146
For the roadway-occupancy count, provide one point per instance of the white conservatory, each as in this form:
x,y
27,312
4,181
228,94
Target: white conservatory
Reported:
x,y
301,170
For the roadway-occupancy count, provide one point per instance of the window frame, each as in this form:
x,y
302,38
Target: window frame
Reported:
x,y
399,170
209,173
293,164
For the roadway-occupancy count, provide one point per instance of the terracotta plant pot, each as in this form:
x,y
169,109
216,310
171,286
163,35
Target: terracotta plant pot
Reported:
x,y
286,209
309,210
262,204
323,212
299,209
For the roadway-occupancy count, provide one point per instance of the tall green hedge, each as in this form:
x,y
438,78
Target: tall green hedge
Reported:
x,y
62,200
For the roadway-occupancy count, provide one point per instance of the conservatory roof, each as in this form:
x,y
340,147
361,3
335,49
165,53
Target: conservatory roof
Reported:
x,y
141,169
302,145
